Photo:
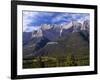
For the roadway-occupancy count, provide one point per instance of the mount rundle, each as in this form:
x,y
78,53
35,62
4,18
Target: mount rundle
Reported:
x,y
36,42
55,31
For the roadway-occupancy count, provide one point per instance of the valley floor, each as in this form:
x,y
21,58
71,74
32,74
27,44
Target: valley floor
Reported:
x,y
46,61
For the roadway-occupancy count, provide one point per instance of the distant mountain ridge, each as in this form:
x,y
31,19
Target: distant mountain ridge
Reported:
x,y
52,32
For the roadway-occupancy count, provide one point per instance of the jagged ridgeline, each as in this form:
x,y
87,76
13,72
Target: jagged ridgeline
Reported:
x,y
57,46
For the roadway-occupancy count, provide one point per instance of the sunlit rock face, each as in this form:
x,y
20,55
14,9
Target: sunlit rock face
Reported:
x,y
86,25
46,26
76,26
37,33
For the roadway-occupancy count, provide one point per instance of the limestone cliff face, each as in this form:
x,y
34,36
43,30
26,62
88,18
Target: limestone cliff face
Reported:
x,y
37,33
86,25
54,31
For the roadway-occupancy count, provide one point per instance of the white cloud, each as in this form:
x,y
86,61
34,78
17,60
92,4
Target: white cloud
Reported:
x,y
47,14
27,18
60,17
31,28
84,18
74,16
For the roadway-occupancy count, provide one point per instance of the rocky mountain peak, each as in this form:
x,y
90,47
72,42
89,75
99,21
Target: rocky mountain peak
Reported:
x,y
54,31
37,33
86,25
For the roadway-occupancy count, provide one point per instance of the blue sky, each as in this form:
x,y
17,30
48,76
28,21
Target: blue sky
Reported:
x,y
33,19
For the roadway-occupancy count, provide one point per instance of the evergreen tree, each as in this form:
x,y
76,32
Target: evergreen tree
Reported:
x,y
71,60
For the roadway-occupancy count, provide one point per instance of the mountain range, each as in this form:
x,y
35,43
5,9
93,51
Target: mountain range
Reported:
x,y
53,40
